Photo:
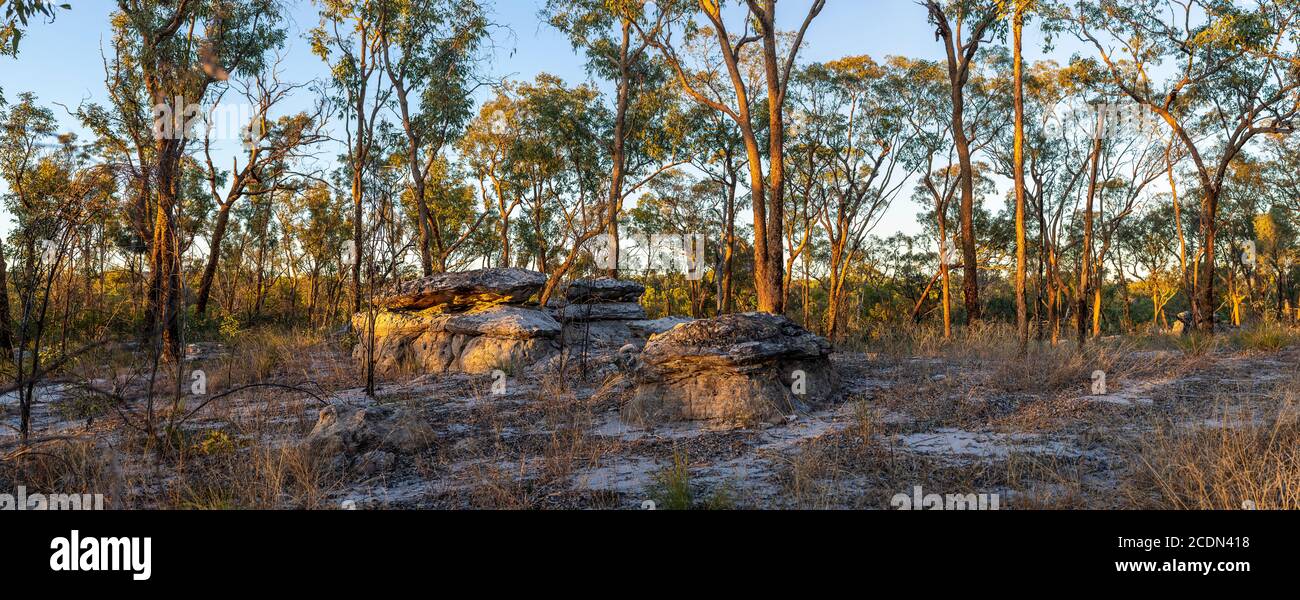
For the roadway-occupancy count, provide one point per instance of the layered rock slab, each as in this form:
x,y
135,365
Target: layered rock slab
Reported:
x,y
451,292
736,370
604,290
460,322
599,311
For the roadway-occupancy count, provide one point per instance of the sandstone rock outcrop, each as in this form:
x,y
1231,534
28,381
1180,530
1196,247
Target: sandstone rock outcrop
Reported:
x,y
599,311
736,370
478,322
367,438
470,322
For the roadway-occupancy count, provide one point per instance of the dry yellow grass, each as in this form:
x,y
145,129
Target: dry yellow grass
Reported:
x,y
1250,459
528,450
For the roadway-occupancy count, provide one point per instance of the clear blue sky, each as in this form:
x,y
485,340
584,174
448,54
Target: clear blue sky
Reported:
x,y
61,61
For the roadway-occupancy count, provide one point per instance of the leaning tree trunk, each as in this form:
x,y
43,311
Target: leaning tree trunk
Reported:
x,y
164,285
1205,281
970,274
618,154
6,320
214,255
1085,251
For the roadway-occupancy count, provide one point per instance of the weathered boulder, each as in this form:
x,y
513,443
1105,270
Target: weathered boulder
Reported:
x,y
468,322
452,292
334,435
1182,323
738,370
361,432
477,341
604,290
375,462
485,354
609,311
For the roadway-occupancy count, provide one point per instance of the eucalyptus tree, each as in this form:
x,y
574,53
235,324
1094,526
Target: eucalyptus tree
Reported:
x,y
23,128
719,153
272,144
854,110
348,40
488,148
944,183
1277,232
1132,160
1283,176
1244,217
320,227
55,195
965,26
555,158
1154,258
1058,143
563,167
778,55
931,158
677,204
430,51
1231,78
453,212
177,50
924,89
605,31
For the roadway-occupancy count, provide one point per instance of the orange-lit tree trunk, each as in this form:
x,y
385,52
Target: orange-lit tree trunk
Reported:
x,y
960,51
1085,250
767,191
1022,316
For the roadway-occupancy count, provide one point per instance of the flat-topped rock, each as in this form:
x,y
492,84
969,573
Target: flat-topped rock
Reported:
x,y
735,340
737,370
608,311
459,291
604,290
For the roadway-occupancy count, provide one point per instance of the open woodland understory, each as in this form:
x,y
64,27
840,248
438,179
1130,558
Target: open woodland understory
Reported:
x,y
375,289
